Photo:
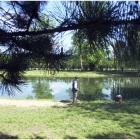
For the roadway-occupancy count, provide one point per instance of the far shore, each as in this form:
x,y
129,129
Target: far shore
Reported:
x,y
87,74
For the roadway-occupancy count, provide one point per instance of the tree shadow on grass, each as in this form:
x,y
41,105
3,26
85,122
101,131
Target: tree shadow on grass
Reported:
x,y
39,137
111,135
69,137
7,136
65,101
126,115
111,107
137,134
111,111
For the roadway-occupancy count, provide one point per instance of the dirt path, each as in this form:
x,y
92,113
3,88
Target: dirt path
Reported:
x,y
28,103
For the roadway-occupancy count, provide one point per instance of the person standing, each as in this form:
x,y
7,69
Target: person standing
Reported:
x,y
75,89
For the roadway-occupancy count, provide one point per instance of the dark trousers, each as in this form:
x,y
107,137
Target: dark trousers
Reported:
x,y
74,96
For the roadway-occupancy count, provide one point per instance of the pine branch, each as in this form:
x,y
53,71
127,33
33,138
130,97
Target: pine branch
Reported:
x,y
73,27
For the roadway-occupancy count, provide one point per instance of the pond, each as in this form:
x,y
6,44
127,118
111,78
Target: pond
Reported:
x,y
90,88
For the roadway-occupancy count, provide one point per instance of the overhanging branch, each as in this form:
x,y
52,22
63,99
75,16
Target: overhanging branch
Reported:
x,y
72,27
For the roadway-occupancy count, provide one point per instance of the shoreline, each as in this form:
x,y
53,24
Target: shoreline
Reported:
x,y
49,103
31,103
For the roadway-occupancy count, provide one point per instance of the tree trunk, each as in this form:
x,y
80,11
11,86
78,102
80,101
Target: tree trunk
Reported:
x,y
81,62
39,65
138,73
31,67
91,66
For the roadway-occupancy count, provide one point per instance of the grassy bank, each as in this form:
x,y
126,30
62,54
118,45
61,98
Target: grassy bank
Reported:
x,y
64,74
80,73
99,119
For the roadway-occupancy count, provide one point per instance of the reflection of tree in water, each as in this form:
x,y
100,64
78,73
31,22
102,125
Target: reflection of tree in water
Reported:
x,y
42,90
90,89
129,88
62,79
70,93
107,82
42,87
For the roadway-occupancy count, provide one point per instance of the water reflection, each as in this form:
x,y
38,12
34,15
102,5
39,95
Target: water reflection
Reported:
x,y
90,88
127,87
42,90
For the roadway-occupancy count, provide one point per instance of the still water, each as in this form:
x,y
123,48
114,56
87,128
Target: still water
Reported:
x,y
90,88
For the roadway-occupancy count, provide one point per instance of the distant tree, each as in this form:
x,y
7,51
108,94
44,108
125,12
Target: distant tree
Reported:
x,y
90,56
78,40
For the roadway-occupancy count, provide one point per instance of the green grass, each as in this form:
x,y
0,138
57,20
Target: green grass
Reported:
x,y
80,73
63,74
98,119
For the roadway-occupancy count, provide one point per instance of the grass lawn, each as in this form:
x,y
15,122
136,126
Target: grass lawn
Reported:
x,y
98,119
63,73
80,73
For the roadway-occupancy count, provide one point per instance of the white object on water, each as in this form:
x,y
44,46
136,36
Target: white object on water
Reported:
x,y
118,96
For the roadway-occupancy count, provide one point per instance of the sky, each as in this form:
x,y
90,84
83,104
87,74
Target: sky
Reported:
x,y
64,38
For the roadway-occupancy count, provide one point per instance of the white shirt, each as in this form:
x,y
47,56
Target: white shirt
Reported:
x,y
75,85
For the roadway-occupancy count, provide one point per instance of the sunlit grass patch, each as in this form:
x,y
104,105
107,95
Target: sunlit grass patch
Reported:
x,y
65,73
81,73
